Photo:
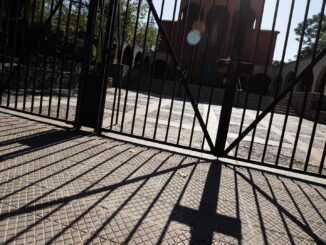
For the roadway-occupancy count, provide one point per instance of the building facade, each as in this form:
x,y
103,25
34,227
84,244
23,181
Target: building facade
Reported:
x,y
213,22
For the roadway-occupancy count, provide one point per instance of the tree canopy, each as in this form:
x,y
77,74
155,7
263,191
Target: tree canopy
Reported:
x,y
310,35
67,29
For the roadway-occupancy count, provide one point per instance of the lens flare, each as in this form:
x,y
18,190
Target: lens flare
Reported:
x,y
199,26
193,37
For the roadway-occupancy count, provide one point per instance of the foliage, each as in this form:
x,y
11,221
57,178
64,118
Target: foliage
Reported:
x,y
68,36
276,63
128,20
310,35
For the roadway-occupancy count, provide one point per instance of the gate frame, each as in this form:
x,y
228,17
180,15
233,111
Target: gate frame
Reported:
x,y
215,149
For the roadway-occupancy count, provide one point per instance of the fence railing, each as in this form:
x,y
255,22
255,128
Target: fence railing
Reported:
x,y
202,75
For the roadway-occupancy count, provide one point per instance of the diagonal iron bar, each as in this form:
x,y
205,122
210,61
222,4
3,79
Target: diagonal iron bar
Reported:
x,y
274,103
183,78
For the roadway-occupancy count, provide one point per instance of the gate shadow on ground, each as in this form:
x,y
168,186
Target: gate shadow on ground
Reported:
x,y
109,190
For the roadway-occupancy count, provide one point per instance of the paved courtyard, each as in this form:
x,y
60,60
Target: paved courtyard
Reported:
x,y
67,187
184,126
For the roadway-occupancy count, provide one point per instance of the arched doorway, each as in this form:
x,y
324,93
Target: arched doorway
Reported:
x,y
161,69
146,67
260,84
289,79
277,84
320,86
306,83
137,61
127,56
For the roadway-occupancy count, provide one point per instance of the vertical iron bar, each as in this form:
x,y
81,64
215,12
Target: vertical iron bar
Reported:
x,y
5,49
118,63
321,94
29,51
131,66
45,63
20,54
303,105
63,58
297,136
265,73
279,75
193,50
318,109
73,58
322,162
253,58
187,89
208,113
37,54
106,54
321,55
201,85
44,66
188,78
229,92
319,29
201,81
120,56
13,46
291,91
152,70
140,75
178,67
87,56
54,60
165,71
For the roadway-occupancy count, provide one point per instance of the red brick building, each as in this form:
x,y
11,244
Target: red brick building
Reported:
x,y
216,24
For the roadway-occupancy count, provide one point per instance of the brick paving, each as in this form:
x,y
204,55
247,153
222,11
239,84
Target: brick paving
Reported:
x,y
66,187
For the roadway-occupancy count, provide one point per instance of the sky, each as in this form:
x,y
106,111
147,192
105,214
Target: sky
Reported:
x,y
267,22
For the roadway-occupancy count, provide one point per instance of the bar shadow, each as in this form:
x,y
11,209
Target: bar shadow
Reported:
x,y
145,194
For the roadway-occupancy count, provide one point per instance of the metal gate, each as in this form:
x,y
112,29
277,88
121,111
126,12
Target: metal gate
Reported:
x,y
198,74
41,56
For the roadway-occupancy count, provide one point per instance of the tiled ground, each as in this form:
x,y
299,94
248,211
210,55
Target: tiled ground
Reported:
x,y
150,119
68,187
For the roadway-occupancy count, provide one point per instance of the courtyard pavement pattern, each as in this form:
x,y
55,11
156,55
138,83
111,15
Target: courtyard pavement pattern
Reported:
x,y
184,125
67,187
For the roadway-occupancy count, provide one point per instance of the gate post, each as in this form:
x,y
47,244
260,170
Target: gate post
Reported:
x,y
87,57
92,93
233,74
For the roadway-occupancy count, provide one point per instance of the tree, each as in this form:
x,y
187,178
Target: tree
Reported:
x,y
62,30
131,16
310,35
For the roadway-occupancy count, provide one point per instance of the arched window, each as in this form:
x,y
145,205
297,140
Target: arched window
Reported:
x,y
217,21
191,15
251,22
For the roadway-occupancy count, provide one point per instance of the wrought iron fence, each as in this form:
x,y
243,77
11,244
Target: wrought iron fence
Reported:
x,y
41,47
204,75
